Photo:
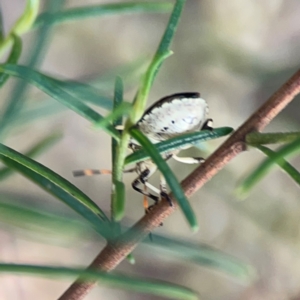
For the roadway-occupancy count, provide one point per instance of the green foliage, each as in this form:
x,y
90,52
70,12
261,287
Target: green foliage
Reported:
x,y
140,100
75,14
50,86
169,176
158,288
57,186
74,95
13,56
56,224
204,255
273,159
178,143
35,150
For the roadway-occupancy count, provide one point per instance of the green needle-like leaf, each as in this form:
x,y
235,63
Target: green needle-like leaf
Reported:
x,y
287,167
50,87
13,57
140,101
257,138
121,110
171,28
41,225
55,185
141,98
25,22
159,288
79,13
37,149
169,176
16,100
266,165
38,111
85,92
179,142
203,255
161,54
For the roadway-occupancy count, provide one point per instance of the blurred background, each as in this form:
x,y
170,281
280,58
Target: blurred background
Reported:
x,y
236,54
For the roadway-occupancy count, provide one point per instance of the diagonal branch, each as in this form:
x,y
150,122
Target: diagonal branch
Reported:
x,y
116,251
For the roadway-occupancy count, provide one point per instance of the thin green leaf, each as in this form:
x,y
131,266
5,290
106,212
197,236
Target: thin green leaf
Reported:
x,y
140,101
129,72
100,226
159,288
257,138
93,90
21,26
38,111
257,175
79,13
203,255
179,142
85,92
171,28
16,100
39,224
55,185
169,176
35,150
161,54
141,98
136,113
13,58
287,167
118,100
56,224
25,22
122,110
50,87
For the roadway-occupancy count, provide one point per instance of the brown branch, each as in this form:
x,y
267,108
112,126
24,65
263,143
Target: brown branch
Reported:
x,y
115,252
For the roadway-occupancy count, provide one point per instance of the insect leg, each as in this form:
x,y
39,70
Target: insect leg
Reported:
x,y
163,189
142,179
130,170
208,125
145,200
189,160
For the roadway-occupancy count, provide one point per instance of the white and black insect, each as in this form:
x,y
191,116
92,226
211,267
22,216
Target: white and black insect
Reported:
x,y
169,117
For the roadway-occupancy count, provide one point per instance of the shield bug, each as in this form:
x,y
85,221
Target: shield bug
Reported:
x,y
169,117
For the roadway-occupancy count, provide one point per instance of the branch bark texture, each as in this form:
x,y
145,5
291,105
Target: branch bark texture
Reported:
x,y
116,251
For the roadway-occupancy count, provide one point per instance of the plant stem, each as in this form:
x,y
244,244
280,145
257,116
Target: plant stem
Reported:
x,y
116,251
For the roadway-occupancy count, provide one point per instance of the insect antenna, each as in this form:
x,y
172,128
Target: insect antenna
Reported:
x,y
90,172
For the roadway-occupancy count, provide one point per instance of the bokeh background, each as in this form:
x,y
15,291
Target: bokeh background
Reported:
x,y
236,54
